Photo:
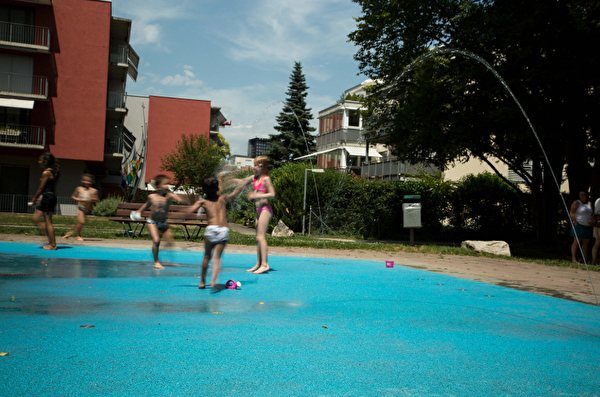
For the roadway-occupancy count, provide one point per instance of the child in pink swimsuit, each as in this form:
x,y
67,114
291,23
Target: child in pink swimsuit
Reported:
x,y
263,191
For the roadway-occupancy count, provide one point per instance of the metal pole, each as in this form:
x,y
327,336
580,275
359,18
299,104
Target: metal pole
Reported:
x,y
309,220
304,202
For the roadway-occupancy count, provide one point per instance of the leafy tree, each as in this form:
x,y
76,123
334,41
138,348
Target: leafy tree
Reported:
x,y
294,138
225,150
449,108
192,159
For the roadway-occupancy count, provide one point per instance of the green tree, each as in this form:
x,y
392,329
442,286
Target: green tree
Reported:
x,y
192,159
225,150
449,108
293,124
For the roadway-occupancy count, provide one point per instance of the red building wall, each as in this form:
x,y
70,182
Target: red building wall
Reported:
x,y
168,118
79,77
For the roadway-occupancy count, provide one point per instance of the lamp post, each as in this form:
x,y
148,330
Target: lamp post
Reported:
x,y
317,171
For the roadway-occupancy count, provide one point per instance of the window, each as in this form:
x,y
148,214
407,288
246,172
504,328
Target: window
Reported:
x,y
14,116
353,118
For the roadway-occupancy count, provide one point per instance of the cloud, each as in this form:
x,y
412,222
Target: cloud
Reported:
x,y
188,79
283,31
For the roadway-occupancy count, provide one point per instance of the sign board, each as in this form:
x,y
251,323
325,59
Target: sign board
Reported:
x,y
412,214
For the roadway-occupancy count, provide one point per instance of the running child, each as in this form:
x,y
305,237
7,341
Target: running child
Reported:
x,y
217,231
45,198
263,191
86,196
158,203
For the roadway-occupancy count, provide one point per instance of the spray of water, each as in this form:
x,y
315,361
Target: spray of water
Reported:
x,y
471,55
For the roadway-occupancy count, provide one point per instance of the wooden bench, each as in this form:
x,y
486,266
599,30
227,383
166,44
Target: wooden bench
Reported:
x,y
178,215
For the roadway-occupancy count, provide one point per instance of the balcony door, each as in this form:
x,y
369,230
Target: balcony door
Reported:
x,y
17,24
16,73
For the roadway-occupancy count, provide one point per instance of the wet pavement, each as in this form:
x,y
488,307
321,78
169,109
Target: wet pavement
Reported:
x,y
92,320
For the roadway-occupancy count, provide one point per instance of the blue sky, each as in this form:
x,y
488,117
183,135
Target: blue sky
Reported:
x,y
239,54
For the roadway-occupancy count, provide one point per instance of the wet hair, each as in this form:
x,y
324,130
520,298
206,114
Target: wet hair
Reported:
x,y
160,179
210,185
263,163
49,161
90,177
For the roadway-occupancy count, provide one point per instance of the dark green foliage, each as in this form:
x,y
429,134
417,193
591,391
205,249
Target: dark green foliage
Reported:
x,y
192,160
450,108
294,138
107,207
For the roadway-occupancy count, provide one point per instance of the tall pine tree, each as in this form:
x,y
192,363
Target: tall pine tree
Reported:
x,y
294,138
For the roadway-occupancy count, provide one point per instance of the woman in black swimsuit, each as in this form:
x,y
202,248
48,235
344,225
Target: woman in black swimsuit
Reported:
x,y
45,198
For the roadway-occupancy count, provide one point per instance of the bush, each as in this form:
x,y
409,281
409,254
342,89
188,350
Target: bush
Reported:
x,y
107,207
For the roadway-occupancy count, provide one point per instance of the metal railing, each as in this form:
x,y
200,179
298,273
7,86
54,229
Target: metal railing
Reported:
x,y
29,35
18,203
345,134
116,99
24,85
392,170
28,135
114,144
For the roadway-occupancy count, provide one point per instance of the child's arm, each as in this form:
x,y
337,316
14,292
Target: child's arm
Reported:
x,y
75,195
238,189
45,175
146,205
194,207
173,197
95,195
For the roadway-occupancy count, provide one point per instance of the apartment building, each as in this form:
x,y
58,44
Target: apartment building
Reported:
x,y
63,73
258,147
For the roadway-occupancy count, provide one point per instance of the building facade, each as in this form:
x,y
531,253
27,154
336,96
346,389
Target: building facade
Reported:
x,y
258,147
63,72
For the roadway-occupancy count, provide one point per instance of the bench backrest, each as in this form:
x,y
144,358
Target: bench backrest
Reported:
x,y
175,211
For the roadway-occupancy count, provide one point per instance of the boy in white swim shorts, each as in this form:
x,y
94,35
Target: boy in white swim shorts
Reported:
x,y
217,231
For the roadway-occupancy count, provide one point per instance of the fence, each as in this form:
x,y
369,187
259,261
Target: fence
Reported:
x,y
30,135
337,222
16,203
25,34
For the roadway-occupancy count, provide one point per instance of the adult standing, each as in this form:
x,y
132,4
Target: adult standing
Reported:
x,y
582,232
596,235
45,198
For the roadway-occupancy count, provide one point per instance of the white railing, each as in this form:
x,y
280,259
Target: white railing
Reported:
x,y
17,33
17,203
28,135
340,135
23,84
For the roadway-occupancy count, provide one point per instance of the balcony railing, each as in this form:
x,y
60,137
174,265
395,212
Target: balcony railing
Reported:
x,y
114,145
392,170
124,54
27,35
345,134
116,99
22,136
24,85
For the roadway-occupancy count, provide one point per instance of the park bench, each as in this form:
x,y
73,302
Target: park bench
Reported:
x,y
191,224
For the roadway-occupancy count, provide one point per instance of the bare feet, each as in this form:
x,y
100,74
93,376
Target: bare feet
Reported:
x,y
66,236
202,285
79,238
157,265
50,247
253,269
262,269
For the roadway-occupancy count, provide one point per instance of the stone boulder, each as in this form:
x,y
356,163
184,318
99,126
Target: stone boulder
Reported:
x,y
490,247
281,230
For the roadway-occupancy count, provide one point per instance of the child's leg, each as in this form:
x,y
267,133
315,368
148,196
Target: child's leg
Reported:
x,y
258,259
38,218
168,235
216,264
208,246
261,240
50,232
155,234
80,222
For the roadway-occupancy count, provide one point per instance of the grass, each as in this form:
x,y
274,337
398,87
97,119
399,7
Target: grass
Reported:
x,y
100,227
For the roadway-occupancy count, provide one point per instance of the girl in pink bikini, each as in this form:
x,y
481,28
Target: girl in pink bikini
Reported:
x,y
263,191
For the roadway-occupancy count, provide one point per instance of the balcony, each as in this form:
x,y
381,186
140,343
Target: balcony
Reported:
x,y
23,86
393,170
23,136
116,100
25,37
114,146
345,134
125,56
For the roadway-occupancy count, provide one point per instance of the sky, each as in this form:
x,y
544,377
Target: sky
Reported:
x,y
239,54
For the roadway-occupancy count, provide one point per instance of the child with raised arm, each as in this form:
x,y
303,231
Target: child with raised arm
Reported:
x,y
86,196
217,231
158,203
263,191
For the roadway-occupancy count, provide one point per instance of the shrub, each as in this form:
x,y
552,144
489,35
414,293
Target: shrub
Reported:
x,y
107,207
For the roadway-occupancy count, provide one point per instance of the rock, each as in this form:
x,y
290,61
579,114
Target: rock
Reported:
x,y
490,247
281,230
